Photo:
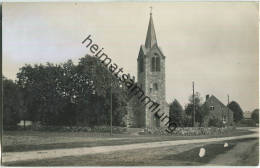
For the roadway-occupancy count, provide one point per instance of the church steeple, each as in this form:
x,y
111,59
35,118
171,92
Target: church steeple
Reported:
x,y
151,79
150,36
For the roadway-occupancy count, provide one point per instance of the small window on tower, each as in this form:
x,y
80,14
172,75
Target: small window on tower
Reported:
x,y
155,86
151,87
224,119
211,108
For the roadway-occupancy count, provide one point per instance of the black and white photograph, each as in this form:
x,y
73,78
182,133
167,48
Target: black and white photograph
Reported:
x,y
149,83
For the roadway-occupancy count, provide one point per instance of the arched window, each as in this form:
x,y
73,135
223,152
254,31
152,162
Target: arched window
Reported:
x,y
155,63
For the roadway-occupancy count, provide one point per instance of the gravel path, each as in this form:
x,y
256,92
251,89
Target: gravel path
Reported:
x,y
56,153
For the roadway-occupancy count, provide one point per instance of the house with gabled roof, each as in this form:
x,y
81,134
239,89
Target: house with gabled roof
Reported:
x,y
218,110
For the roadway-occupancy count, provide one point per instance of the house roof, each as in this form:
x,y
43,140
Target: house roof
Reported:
x,y
212,98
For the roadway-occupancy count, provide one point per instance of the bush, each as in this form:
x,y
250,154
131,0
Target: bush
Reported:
x,y
246,123
215,122
187,121
103,129
255,115
10,127
190,131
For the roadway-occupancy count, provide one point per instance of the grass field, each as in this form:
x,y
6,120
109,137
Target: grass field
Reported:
x,y
215,149
17,141
181,155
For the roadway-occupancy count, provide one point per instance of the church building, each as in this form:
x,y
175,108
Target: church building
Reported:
x,y
151,79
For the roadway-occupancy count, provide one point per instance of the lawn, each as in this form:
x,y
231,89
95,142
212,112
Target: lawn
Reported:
x,y
181,155
17,141
212,150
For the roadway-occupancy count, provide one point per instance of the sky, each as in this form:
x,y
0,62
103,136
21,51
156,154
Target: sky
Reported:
x,y
214,44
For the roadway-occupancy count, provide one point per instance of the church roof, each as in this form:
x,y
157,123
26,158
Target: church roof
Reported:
x,y
150,36
150,42
146,50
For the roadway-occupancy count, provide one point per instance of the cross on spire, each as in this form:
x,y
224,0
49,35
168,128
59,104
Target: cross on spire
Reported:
x,y
151,10
150,36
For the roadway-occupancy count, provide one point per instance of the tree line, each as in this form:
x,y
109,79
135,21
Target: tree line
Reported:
x,y
68,94
64,94
184,116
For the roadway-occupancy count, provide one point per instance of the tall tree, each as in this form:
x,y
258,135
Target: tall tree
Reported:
x,y
255,115
197,104
39,84
197,99
69,94
176,113
101,83
238,112
13,107
201,111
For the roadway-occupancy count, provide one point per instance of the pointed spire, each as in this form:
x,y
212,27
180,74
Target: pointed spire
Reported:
x,y
150,36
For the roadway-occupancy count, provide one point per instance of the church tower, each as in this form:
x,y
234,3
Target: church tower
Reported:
x,y
151,75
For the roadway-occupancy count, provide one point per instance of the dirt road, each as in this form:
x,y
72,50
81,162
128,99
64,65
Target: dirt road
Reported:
x,y
56,153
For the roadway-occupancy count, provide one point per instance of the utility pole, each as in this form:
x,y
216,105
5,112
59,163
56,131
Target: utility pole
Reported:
x,y
228,108
111,108
193,99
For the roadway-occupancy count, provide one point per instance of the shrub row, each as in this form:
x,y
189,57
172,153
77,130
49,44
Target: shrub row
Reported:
x,y
190,131
180,131
246,123
102,129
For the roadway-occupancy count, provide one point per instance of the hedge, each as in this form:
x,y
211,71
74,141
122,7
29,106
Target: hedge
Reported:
x,y
190,131
101,129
